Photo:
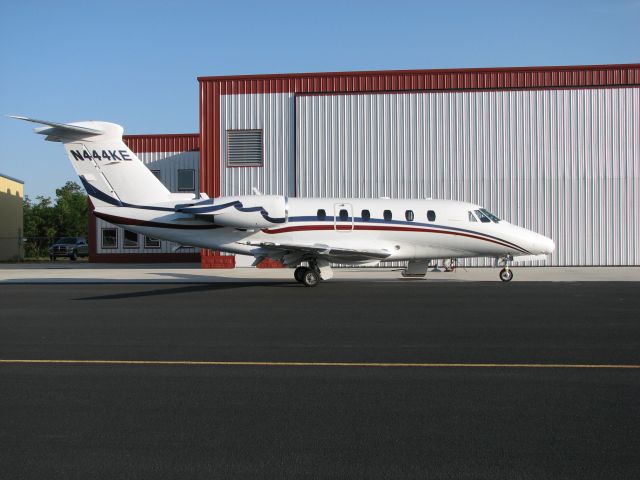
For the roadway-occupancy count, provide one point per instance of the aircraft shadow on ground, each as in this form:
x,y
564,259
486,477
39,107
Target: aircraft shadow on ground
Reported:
x,y
159,290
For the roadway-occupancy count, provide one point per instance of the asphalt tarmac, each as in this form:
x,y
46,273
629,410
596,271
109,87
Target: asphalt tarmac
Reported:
x,y
403,379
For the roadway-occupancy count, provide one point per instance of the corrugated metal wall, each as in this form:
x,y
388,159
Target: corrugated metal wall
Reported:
x,y
214,89
168,163
563,162
274,114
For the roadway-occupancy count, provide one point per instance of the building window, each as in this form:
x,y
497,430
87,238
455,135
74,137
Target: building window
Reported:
x,y
431,216
150,242
244,148
130,239
322,215
366,215
186,180
157,174
387,215
109,238
409,215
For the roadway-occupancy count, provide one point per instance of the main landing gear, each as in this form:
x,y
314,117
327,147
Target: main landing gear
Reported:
x,y
312,275
506,274
309,277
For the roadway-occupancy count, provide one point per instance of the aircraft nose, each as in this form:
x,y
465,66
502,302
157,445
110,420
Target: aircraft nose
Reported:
x,y
545,244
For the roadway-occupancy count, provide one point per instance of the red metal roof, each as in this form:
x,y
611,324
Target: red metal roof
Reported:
x,y
178,142
450,79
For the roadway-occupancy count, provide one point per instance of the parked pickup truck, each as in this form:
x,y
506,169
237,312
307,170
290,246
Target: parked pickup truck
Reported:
x,y
72,247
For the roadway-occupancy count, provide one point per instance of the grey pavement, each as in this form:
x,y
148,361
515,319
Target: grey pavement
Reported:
x,y
69,272
579,417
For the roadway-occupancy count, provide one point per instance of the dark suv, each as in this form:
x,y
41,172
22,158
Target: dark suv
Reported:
x,y
72,247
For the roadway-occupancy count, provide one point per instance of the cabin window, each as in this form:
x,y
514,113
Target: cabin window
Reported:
x,y
483,218
130,239
409,215
472,217
109,238
387,215
150,242
366,215
322,215
431,216
186,180
344,215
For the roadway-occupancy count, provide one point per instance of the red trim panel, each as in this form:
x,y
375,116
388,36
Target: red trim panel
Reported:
x,y
211,259
270,263
404,80
181,142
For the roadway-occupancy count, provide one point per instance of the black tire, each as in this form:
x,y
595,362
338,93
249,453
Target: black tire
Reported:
x,y
298,273
311,278
74,256
506,275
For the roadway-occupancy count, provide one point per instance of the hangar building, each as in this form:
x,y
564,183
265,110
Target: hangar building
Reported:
x,y
553,149
11,218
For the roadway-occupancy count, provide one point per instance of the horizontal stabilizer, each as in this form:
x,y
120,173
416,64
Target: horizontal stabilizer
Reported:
x,y
62,130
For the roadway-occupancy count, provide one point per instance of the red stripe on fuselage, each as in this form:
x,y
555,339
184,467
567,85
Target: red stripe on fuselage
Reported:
x,y
392,228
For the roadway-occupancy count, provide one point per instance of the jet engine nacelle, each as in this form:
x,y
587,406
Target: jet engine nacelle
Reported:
x,y
244,211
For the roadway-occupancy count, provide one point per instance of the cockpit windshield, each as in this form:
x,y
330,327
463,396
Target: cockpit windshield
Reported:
x,y
486,212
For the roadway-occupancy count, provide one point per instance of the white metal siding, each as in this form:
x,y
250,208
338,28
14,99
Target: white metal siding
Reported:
x,y
274,114
168,163
565,163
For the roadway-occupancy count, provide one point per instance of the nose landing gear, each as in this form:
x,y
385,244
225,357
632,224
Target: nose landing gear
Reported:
x,y
506,274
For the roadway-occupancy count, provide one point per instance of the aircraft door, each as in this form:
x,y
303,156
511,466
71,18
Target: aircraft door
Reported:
x,y
343,217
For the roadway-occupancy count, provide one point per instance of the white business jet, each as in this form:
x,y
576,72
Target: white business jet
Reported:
x,y
295,231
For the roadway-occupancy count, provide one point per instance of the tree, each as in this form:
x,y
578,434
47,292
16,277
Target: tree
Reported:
x,y
45,221
71,210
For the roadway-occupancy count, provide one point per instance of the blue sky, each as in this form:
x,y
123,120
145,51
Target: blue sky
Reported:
x,y
136,62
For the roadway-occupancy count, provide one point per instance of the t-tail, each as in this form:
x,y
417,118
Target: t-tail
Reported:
x,y
111,173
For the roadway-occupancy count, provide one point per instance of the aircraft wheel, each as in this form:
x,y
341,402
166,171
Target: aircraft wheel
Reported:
x,y
298,273
506,275
310,278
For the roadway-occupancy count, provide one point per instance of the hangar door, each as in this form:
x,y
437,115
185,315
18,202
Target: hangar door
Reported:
x,y
565,163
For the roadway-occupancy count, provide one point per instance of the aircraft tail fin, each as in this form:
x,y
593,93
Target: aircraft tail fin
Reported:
x,y
110,172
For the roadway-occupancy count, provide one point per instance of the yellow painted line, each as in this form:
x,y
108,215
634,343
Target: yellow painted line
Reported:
x,y
315,364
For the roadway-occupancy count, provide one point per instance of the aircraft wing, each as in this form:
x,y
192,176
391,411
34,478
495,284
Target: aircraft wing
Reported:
x,y
300,251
